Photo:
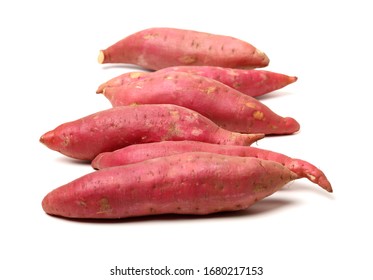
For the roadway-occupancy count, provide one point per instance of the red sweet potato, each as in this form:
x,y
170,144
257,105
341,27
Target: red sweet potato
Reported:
x,y
142,152
157,48
250,82
190,183
224,105
118,127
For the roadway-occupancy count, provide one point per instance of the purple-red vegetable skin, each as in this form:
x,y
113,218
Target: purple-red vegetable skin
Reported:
x,y
118,127
142,152
191,183
251,82
157,48
223,105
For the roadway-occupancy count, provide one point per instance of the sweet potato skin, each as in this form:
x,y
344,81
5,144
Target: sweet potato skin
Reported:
x,y
157,48
142,152
190,183
225,106
118,127
251,82
121,80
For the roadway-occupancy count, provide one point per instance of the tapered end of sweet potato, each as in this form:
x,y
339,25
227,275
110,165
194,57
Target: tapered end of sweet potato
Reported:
x,y
292,79
285,126
122,80
305,169
247,139
262,58
325,184
101,88
318,177
56,204
256,137
265,59
47,138
96,162
291,125
52,141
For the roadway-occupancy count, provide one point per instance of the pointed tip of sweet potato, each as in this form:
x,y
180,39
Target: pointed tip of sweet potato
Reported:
x,y
325,184
307,170
46,138
322,181
251,138
290,126
101,88
257,136
292,79
96,162
264,59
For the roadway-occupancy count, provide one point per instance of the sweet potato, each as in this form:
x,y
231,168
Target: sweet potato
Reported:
x,y
141,152
118,127
190,183
224,105
250,82
157,48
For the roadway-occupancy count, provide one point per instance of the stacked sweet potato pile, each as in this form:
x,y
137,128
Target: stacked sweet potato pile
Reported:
x,y
177,139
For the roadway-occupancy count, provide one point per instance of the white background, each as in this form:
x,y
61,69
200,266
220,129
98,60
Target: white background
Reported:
x,y
49,74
